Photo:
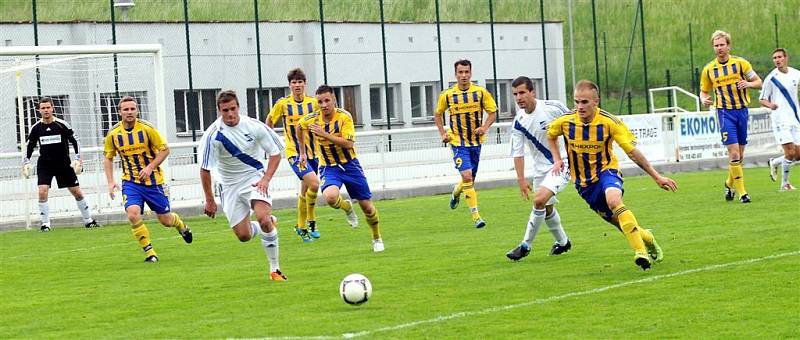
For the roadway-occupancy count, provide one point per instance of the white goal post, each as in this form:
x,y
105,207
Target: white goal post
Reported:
x,y
85,83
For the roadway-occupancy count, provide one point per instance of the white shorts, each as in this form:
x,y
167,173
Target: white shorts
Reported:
x,y
786,134
237,199
554,183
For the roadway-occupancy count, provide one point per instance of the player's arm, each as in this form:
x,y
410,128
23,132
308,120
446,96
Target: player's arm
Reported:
x,y
663,182
273,146
210,208
752,80
346,142
764,98
274,114
109,152
438,118
705,88
302,128
553,132
490,107
518,153
159,145
208,161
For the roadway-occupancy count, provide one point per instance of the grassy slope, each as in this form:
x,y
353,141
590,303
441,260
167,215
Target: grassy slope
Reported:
x,y
436,264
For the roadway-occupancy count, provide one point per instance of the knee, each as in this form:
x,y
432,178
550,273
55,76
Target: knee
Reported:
x,y
331,199
134,216
313,184
43,193
539,202
243,237
466,178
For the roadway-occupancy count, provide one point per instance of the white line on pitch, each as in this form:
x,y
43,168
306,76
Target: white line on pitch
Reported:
x,y
543,300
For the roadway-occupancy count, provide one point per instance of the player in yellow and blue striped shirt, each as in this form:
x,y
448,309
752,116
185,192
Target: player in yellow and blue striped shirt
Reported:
x,y
334,136
594,168
290,110
466,103
730,77
142,149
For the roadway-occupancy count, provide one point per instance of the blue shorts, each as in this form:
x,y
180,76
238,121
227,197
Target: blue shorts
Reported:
x,y
595,193
733,125
467,158
350,175
312,165
138,194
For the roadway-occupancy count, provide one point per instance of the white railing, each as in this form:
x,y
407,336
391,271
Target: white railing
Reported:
x,y
673,105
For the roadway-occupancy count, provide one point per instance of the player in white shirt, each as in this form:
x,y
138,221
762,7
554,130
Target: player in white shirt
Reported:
x,y
530,128
779,94
232,145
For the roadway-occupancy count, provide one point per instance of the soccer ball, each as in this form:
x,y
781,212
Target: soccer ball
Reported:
x,y
355,289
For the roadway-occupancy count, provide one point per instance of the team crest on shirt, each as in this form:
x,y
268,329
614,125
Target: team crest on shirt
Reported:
x,y
543,125
248,137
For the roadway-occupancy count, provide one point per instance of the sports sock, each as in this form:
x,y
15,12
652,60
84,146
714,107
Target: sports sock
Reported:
x,y
647,236
302,211
343,204
729,180
311,205
177,222
630,228
777,161
534,222
472,199
142,235
44,213
458,189
372,220
255,229
270,242
738,177
786,165
554,224
83,207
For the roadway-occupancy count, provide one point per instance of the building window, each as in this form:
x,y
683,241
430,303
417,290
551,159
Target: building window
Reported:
x,y
348,98
198,107
109,107
31,112
378,98
423,99
504,98
269,96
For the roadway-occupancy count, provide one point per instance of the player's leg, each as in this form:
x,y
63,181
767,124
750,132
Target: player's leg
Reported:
x,y
311,183
535,220
44,180
792,153
157,200
737,159
611,184
358,188
262,207
302,211
330,184
133,200
459,155
83,207
470,194
727,132
554,184
462,158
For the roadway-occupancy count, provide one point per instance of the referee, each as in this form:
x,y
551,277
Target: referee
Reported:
x,y
53,135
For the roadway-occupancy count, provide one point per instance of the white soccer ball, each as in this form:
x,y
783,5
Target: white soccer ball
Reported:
x,y
355,289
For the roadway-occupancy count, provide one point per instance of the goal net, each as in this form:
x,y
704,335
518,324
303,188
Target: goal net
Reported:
x,y
85,84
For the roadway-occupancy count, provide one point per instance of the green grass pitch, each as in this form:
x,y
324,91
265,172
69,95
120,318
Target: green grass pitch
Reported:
x,y
731,271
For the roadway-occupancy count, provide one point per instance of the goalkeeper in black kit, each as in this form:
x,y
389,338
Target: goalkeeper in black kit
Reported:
x,y
53,137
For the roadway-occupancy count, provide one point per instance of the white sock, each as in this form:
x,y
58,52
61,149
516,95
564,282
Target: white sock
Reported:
x,y
554,224
787,164
255,229
777,161
44,213
534,222
270,243
83,207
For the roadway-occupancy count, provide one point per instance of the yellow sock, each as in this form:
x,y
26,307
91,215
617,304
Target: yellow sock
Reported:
x,y
311,205
647,236
738,177
372,220
177,222
729,181
458,189
472,199
629,226
142,235
302,211
343,204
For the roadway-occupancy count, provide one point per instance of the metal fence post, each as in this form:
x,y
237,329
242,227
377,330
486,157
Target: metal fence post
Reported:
x,y
544,50
322,34
260,97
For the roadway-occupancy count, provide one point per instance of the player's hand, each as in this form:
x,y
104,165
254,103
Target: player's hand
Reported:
x,y
146,172
302,161
480,131
558,167
77,166
667,184
112,187
262,186
210,208
524,189
445,137
707,101
742,84
26,169
317,130
774,107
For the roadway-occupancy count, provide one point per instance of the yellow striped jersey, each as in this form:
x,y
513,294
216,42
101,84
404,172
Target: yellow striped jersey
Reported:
x,y
137,148
722,78
589,145
340,125
290,111
466,113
